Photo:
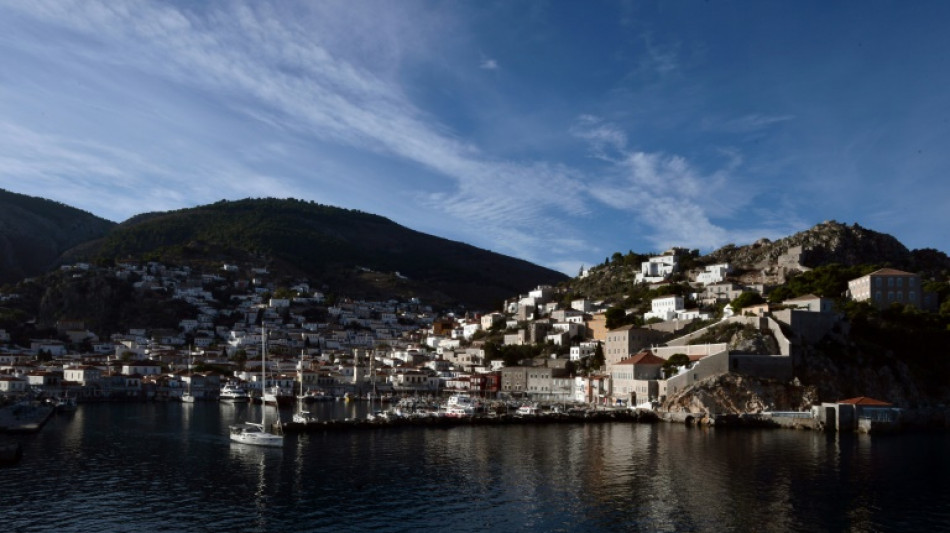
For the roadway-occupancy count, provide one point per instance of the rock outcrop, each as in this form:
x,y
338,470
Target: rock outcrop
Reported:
x,y
737,394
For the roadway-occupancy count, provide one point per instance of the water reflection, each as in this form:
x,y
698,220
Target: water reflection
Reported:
x,y
175,467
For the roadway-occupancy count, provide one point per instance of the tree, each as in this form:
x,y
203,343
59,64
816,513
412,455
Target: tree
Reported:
x,y
672,365
283,293
240,357
570,367
616,317
597,361
746,299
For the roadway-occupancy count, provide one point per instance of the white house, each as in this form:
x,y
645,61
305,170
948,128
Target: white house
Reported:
x,y
583,305
657,268
84,374
714,274
144,368
489,320
810,302
53,347
583,350
12,385
665,308
469,329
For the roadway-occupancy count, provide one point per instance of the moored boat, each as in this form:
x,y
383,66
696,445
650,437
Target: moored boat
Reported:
x,y
234,393
278,396
460,405
259,434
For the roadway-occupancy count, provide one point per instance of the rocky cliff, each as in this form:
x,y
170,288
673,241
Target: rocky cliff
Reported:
x,y
772,262
736,394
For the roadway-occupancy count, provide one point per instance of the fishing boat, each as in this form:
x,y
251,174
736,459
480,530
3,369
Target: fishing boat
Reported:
x,y
259,434
65,403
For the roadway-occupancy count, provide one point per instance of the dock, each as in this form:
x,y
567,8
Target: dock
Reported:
x,y
24,417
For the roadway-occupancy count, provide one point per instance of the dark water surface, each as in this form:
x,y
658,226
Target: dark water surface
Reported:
x,y
171,467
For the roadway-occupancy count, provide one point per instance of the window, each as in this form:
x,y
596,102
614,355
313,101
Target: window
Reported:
x,y
912,296
890,296
890,282
878,282
900,282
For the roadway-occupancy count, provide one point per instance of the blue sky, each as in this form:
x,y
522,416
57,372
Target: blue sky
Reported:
x,y
558,132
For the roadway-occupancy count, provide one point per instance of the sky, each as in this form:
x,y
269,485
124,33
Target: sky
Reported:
x,y
558,132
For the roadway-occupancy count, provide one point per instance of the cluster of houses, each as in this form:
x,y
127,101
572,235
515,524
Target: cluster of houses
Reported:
x,y
392,347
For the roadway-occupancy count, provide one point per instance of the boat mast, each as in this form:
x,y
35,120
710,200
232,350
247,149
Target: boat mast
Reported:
x,y
263,378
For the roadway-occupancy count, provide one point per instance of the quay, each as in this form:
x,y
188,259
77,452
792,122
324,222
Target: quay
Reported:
x,y
24,417
586,417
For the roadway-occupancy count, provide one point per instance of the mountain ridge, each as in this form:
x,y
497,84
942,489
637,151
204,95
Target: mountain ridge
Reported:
x,y
35,231
353,252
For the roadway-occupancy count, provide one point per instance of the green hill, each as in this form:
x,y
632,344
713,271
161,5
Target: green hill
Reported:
x,y
353,253
35,231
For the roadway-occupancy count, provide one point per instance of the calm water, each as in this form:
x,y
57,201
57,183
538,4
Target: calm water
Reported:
x,y
170,467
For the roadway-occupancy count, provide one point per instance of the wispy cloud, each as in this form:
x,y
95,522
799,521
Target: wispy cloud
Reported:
x,y
74,171
488,64
605,139
668,194
746,123
661,58
268,67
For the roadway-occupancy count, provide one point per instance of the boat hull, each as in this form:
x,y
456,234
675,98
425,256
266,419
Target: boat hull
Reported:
x,y
255,435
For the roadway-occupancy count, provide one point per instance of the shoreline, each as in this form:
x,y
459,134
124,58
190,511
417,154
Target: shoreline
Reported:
x,y
592,417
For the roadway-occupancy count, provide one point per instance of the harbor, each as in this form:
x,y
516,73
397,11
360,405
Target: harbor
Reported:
x,y
174,464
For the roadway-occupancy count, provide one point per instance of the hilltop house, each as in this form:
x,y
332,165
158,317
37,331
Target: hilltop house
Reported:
x,y
672,308
714,274
810,302
887,286
658,268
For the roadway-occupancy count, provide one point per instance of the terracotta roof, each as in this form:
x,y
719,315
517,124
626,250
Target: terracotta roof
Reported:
x,y
645,357
891,272
864,400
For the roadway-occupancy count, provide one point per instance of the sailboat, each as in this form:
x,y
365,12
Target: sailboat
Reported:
x,y
255,433
187,396
301,416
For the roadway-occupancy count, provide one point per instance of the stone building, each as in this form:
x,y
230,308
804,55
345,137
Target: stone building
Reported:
x,y
628,340
887,286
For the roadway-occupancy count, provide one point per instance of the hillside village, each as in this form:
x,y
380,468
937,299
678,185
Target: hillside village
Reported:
x,y
539,347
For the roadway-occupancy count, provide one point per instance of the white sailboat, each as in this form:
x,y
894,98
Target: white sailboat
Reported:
x,y
255,433
187,396
301,416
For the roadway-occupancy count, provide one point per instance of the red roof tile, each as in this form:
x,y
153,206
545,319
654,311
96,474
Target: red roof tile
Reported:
x,y
864,400
890,272
644,357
